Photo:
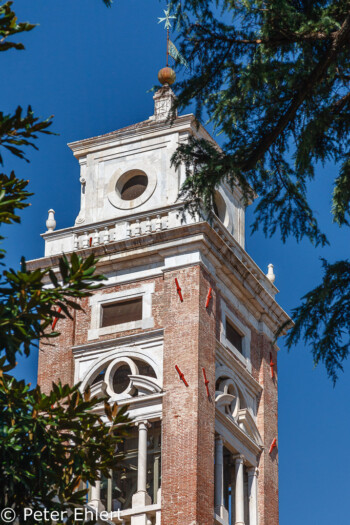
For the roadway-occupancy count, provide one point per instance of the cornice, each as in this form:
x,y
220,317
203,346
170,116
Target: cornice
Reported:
x,y
131,134
238,433
225,261
135,339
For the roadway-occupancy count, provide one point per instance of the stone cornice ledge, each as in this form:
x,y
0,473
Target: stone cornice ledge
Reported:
x,y
238,433
131,133
224,260
138,338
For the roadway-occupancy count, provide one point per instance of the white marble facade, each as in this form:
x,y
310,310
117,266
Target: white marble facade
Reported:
x,y
108,161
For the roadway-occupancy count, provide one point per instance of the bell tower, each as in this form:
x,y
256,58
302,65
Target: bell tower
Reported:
x,y
181,331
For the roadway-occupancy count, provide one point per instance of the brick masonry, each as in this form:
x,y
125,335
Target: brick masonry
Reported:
x,y
188,427
188,414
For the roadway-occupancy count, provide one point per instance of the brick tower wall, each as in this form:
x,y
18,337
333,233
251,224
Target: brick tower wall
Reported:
x,y
188,414
190,331
56,357
267,421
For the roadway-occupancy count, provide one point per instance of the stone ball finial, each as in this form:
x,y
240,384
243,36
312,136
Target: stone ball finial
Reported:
x,y
167,76
51,223
270,273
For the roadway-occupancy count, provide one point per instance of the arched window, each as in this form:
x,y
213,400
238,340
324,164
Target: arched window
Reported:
x,y
123,377
228,397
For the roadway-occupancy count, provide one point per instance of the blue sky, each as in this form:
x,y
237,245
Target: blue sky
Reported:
x,y
91,67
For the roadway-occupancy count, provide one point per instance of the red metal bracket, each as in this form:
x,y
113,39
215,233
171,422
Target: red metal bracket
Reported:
x,y
178,289
56,319
273,445
209,297
206,381
182,377
272,364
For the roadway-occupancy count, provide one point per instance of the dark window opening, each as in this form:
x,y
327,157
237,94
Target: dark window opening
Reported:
x,y
145,369
219,207
134,187
118,489
234,337
122,312
229,488
121,379
99,378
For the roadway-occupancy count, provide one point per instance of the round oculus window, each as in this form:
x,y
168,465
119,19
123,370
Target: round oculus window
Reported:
x,y
219,207
134,187
131,189
121,378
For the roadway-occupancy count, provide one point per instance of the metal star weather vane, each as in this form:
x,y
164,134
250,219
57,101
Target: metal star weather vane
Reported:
x,y
167,26
167,18
170,46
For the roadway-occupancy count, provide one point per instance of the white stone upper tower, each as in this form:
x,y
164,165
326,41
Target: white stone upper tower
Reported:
x,y
128,185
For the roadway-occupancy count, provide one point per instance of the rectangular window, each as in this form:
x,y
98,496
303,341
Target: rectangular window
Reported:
x,y
121,312
234,337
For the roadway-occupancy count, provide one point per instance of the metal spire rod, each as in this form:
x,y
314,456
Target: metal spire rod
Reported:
x,y
167,19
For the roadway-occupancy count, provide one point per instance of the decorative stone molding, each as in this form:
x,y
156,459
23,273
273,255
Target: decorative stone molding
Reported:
x,y
119,178
230,401
227,398
163,103
51,223
144,385
236,439
96,301
79,220
247,424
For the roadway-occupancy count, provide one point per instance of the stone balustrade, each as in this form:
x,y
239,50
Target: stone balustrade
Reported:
x,y
86,236
82,237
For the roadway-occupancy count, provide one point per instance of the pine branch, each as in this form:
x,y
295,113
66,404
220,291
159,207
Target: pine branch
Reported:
x,y
341,38
323,320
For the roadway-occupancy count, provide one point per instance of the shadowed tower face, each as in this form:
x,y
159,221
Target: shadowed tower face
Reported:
x,y
181,331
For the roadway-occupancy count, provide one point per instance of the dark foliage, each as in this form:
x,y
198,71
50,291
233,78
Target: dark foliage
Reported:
x,y
51,445
273,78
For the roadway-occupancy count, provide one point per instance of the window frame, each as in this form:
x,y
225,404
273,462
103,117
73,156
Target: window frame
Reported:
x,y
97,302
242,329
119,178
104,307
228,323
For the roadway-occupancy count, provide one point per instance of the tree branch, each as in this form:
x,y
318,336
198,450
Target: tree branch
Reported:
x,y
301,94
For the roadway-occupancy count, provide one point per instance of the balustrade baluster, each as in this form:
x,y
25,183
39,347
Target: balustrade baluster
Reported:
x,y
158,223
96,238
85,240
138,227
106,235
148,228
